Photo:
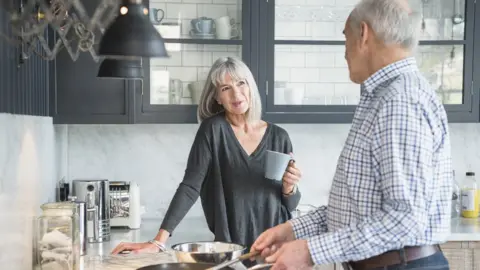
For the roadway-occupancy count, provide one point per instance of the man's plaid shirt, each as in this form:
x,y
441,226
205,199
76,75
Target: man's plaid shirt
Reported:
x,y
393,181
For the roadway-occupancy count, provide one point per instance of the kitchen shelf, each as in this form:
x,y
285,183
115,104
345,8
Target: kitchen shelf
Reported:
x,y
204,41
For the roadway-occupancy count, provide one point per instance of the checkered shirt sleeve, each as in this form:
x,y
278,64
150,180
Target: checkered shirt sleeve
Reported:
x,y
401,156
311,224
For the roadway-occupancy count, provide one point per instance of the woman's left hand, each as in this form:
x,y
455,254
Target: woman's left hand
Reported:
x,y
291,177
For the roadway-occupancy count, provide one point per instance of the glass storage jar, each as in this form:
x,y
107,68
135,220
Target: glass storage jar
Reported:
x,y
58,246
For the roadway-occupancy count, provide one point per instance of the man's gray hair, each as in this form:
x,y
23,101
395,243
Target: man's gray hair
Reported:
x,y
237,70
391,20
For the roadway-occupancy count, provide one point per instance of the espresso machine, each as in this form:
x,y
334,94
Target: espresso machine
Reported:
x,y
96,195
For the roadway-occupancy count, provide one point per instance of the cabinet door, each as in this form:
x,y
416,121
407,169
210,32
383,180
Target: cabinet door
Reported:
x,y
78,96
307,75
23,82
197,33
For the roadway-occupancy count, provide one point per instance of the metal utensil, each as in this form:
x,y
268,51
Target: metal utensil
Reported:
x,y
193,266
178,266
238,259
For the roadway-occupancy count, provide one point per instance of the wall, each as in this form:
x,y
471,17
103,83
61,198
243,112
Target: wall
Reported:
x,y
155,156
27,179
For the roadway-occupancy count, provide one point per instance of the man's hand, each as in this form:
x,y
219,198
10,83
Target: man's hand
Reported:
x,y
272,239
294,255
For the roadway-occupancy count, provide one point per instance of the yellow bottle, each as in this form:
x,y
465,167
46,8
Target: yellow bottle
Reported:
x,y
470,196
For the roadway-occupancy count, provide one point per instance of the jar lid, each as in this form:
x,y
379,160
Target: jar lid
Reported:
x,y
59,208
470,174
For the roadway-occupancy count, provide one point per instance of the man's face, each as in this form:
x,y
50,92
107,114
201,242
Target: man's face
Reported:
x,y
356,52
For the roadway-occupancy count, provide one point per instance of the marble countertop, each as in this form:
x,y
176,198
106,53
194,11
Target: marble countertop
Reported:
x,y
465,229
195,229
98,256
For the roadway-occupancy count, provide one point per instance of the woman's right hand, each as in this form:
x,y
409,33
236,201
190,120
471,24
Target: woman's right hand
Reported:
x,y
136,248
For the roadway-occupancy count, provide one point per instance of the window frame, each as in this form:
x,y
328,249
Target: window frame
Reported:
x,y
466,112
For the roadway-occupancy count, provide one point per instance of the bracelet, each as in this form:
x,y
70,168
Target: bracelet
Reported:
x,y
161,247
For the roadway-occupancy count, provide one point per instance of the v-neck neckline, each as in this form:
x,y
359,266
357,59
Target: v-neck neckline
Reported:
x,y
239,145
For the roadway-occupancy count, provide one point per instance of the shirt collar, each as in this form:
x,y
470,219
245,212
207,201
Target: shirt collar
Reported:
x,y
388,72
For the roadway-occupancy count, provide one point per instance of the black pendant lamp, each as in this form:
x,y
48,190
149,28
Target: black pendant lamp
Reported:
x,y
121,69
132,34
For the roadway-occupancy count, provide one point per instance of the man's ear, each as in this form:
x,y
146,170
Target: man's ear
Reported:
x,y
364,31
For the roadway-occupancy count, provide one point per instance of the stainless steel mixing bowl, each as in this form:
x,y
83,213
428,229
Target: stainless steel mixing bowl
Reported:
x,y
207,252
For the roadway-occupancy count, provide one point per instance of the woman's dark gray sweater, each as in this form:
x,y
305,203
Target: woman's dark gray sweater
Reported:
x,y
239,203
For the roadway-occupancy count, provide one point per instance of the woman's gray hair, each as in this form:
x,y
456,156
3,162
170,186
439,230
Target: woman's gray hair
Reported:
x,y
391,20
208,105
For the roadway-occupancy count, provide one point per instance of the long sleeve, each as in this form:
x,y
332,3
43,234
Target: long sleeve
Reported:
x,y
310,224
188,191
402,153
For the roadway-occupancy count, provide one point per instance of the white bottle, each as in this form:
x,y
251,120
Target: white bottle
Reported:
x,y
470,202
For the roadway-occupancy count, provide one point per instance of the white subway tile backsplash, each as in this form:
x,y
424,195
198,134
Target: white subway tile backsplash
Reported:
x,y
318,90
302,75
289,59
160,5
197,1
197,59
188,74
334,75
320,3
181,11
282,74
202,73
340,60
186,27
236,2
347,3
320,30
287,30
216,48
175,59
212,11
217,55
191,47
289,2
320,60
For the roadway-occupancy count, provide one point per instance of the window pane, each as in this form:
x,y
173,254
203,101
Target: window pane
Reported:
x,y
318,75
443,67
311,19
441,19
313,75
197,19
179,79
325,20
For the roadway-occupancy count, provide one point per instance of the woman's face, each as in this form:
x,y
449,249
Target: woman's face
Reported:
x,y
234,96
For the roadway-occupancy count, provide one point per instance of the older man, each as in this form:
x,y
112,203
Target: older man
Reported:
x,y
390,199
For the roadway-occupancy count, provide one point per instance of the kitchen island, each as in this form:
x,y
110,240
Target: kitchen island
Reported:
x,y
462,248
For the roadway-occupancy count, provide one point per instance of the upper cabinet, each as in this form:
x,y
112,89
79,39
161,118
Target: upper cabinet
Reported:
x,y
23,74
307,75
78,96
295,49
197,33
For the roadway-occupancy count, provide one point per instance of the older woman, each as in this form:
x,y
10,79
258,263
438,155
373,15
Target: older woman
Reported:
x,y
225,165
